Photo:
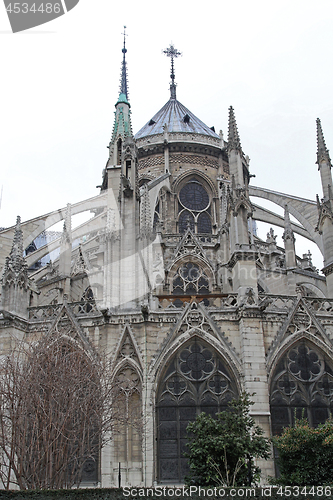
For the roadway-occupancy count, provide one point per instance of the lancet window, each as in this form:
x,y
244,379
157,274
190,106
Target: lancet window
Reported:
x,y
194,208
127,415
196,379
302,384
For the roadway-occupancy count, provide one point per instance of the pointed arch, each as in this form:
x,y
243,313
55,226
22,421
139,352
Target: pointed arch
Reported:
x,y
63,372
195,199
127,351
127,413
182,179
195,378
301,382
195,321
300,322
66,326
127,397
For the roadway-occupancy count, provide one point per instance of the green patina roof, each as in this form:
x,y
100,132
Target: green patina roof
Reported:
x,y
123,98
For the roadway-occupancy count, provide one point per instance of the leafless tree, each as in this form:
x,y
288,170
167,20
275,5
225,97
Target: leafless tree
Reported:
x,y
58,407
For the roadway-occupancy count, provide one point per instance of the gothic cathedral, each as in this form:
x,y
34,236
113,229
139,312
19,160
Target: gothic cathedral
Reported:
x,y
169,277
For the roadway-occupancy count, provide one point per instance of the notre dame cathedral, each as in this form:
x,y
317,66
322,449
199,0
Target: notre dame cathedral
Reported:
x,y
169,277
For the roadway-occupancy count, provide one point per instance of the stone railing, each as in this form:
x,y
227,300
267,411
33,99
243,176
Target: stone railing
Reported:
x,y
83,308
277,302
320,305
205,239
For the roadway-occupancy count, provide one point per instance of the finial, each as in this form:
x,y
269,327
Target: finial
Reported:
x,y
67,227
288,232
173,53
322,151
15,261
286,216
123,79
233,136
17,248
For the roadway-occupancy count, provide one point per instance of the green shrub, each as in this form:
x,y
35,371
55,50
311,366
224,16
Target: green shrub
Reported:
x,y
305,454
222,449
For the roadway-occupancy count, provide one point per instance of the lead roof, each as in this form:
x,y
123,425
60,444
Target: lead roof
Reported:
x,y
177,118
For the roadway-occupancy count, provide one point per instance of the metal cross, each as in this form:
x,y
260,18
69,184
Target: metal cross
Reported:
x,y
173,53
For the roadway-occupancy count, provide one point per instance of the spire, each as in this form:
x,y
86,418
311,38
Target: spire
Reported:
x,y
16,269
233,136
173,53
15,281
123,79
322,151
122,127
16,254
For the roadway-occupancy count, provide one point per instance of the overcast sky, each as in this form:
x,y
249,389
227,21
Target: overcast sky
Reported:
x,y
272,61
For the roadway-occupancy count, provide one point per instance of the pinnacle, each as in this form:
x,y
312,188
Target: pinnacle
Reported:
x,y
233,135
322,151
15,260
17,248
287,222
67,227
288,231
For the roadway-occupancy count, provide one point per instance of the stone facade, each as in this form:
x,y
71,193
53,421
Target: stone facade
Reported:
x,y
172,283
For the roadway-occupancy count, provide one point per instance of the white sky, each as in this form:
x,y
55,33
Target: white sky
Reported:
x,y
272,61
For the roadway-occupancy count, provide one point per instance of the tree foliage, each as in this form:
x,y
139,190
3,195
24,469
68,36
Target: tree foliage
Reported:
x,y
305,454
222,449
55,412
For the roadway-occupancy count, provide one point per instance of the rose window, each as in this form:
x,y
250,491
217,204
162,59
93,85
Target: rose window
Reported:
x,y
194,208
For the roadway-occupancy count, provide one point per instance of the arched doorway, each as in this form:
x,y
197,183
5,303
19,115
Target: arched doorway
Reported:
x,y
196,379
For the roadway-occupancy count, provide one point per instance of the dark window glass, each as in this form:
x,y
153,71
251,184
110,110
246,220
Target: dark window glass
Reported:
x,y
194,196
190,280
186,220
204,223
196,379
302,383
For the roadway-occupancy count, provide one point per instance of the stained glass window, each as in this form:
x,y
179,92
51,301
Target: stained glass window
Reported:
x,y
194,196
302,384
204,223
196,379
194,208
190,279
185,220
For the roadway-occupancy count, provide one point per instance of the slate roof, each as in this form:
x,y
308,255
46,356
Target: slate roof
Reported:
x,y
178,119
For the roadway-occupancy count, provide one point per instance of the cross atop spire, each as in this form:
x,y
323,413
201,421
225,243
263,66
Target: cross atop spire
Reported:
x,y
233,135
123,79
173,53
322,151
